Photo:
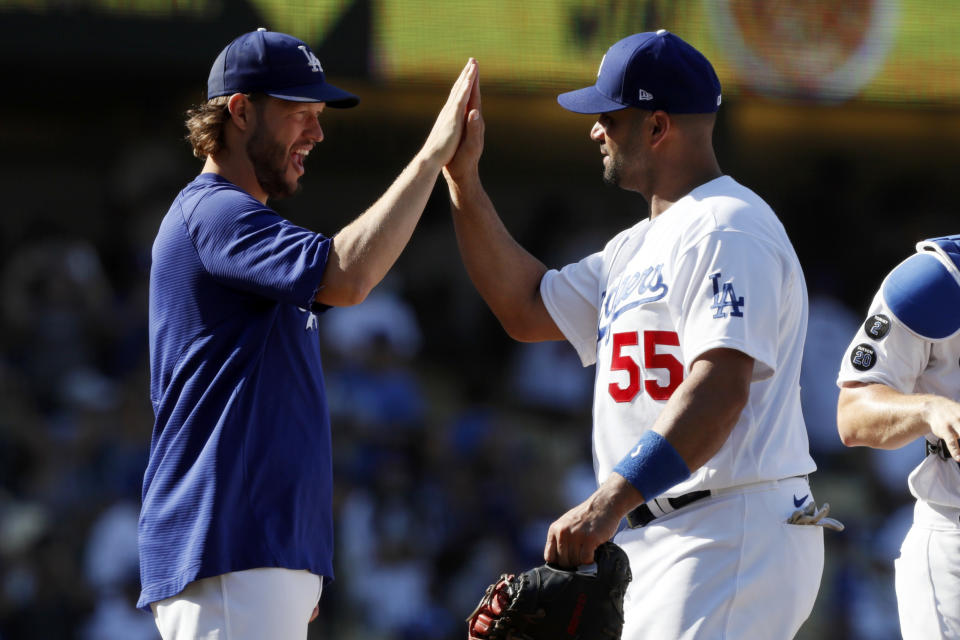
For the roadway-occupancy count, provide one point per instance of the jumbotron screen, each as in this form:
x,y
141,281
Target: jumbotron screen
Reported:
x,y
824,50
901,51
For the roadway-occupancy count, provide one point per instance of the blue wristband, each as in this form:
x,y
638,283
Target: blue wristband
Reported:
x,y
653,466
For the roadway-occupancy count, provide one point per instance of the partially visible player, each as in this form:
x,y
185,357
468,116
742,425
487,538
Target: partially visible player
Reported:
x,y
900,382
695,319
236,532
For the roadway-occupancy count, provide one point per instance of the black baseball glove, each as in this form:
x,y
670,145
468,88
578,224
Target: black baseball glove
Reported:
x,y
550,603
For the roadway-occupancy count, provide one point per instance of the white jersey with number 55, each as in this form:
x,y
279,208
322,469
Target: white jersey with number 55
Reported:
x,y
715,270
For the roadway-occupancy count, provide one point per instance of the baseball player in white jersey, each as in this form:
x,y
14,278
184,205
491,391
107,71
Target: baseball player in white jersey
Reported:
x,y
695,319
900,381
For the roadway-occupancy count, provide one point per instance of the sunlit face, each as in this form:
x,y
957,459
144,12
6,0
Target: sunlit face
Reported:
x,y
621,146
282,137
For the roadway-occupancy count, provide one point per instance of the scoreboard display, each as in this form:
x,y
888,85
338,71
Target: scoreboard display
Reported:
x,y
888,51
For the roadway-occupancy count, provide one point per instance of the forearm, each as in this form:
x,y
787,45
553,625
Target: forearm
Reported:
x,y
363,252
877,416
697,421
700,415
505,274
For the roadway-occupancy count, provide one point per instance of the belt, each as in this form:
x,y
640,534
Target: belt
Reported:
x,y
659,507
650,511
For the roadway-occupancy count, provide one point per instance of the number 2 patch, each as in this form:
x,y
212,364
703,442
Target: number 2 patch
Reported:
x,y
863,357
877,326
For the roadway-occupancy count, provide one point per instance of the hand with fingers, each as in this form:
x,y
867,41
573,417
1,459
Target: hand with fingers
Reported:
x,y
943,416
447,131
464,161
574,537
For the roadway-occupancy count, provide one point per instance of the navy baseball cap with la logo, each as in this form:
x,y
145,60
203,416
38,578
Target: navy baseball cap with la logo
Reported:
x,y
654,70
276,64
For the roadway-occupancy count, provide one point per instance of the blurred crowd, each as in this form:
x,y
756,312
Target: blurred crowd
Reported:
x,y
454,448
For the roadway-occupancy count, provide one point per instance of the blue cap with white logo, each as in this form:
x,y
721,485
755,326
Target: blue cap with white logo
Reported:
x,y
654,70
275,64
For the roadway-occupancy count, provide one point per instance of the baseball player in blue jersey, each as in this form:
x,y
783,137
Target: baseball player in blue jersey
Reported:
x,y
900,382
235,532
695,319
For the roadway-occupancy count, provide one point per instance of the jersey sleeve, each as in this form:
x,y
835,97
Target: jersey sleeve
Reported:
x,y
732,284
248,246
572,297
884,351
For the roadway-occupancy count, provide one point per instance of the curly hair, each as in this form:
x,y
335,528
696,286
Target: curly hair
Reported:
x,y
205,124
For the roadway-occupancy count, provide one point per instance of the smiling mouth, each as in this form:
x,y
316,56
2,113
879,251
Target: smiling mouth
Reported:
x,y
299,158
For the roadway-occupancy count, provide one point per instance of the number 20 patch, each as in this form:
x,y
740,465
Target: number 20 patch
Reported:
x,y
863,357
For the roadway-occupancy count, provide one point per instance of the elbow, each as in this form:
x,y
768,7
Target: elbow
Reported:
x,y
359,290
518,331
849,425
857,438
521,328
356,294
848,432
526,320
351,299
849,437
853,434
344,294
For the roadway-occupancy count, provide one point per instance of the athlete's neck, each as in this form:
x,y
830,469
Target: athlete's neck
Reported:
x,y
238,169
663,199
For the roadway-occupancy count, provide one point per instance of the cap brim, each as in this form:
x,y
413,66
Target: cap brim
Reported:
x,y
588,100
333,96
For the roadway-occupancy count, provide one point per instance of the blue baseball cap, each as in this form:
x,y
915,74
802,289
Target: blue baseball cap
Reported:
x,y
275,64
654,70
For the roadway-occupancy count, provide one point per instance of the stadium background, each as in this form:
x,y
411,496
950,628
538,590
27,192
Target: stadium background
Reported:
x,y
844,116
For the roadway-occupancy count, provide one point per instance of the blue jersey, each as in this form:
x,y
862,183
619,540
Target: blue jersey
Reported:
x,y
240,473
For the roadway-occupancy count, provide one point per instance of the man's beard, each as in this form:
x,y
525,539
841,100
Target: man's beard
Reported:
x,y
269,161
612,171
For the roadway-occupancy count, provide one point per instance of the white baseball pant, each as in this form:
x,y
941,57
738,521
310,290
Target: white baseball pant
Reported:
x,y
241,605
727,566
928,574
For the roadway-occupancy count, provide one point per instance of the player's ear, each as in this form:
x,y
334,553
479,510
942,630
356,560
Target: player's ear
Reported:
x,y
657,126
241,110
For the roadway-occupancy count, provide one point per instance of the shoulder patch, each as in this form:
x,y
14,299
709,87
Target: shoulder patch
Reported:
x,y
923,294
877,326
863,357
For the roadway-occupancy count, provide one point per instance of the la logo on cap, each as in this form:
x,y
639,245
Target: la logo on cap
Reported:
x,y
311,59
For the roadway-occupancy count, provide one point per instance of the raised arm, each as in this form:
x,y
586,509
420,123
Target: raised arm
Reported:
x,y
878,416
506,275
363,251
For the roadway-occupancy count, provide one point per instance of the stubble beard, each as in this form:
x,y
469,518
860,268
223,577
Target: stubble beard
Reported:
x,y
269,161
612,171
